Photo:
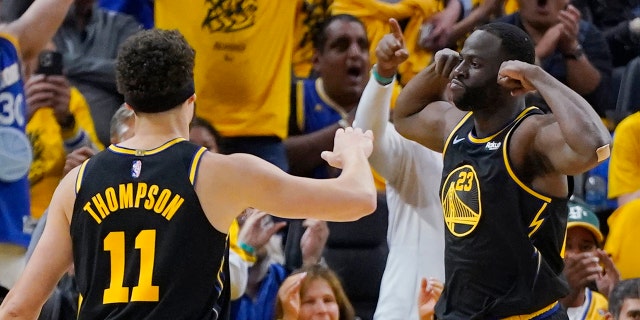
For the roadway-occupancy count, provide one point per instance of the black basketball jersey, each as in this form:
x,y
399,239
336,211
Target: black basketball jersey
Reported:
x,y
142,245
503,239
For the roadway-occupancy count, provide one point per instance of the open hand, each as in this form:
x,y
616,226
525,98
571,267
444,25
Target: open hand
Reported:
x,y
348,140
313,240
258,228
430,291
289,295
609,277
569,28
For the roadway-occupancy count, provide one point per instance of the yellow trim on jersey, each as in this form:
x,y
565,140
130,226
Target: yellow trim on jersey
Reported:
x,y
462,121
13,41
221,269
194,164
564,244
532,315
325,97
81,174
234,230
513,175
489,138
535,223
141,153
300,116
80,298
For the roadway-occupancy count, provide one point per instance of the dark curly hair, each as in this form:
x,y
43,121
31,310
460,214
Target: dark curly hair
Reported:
x,y
154,70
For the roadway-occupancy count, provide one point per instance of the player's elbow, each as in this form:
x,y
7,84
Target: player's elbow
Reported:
x,y
11,311
363,206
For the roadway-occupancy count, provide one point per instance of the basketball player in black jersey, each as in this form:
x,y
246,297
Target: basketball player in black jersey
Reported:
x,y
145,221
504,184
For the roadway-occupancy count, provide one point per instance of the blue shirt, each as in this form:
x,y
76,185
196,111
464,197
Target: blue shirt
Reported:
x,y
597,51
15,149
263,308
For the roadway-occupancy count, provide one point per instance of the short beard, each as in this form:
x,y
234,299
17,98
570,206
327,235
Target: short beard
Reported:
x,y
473,99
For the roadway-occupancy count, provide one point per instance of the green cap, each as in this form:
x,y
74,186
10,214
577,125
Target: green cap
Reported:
x,y
581,216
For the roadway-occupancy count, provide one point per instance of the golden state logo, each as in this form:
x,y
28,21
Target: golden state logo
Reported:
x,y
460,198
230,15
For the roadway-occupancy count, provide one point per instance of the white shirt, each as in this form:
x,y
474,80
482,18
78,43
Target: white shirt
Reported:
x,y
416,228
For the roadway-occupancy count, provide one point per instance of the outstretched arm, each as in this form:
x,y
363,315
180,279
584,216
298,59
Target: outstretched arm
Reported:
x,y
574,139
37,25
229,184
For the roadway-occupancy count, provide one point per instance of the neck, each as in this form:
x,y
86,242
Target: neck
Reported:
x,y
345,102
154,129
574,299
494,118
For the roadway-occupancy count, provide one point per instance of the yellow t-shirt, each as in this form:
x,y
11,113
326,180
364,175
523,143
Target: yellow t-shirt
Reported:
x,y
308,20
624,165
622,242
243,60
375,15
49,155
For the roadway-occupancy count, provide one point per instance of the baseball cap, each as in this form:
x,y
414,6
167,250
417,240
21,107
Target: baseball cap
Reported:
x,y
580,215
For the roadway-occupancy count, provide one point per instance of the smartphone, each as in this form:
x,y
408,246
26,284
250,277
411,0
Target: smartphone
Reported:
x,y
50,63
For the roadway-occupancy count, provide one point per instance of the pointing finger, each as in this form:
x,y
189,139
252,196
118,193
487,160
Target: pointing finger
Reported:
x,y
396,30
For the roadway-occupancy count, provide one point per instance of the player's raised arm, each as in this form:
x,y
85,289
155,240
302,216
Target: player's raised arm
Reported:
x,y
37,25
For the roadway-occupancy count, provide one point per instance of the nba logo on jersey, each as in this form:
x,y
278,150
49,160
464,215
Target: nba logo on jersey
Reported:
x,y
135,168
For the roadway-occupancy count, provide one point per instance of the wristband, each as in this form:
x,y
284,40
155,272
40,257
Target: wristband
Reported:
x,y
249,249
381,80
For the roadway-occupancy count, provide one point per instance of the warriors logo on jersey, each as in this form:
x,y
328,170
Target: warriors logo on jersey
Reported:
x,y
461,201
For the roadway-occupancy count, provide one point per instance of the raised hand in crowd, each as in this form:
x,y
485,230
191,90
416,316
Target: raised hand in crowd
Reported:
x,y
289,296
77,157
563,36
391,51
257,228
430,291
313,240
609,276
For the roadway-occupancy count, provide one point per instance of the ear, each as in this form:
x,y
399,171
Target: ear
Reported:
x,y
608,316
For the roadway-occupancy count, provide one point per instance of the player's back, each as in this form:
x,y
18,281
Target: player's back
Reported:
x,y
143,247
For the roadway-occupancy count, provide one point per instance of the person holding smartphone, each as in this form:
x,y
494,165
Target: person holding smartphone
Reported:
x,y
58,122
